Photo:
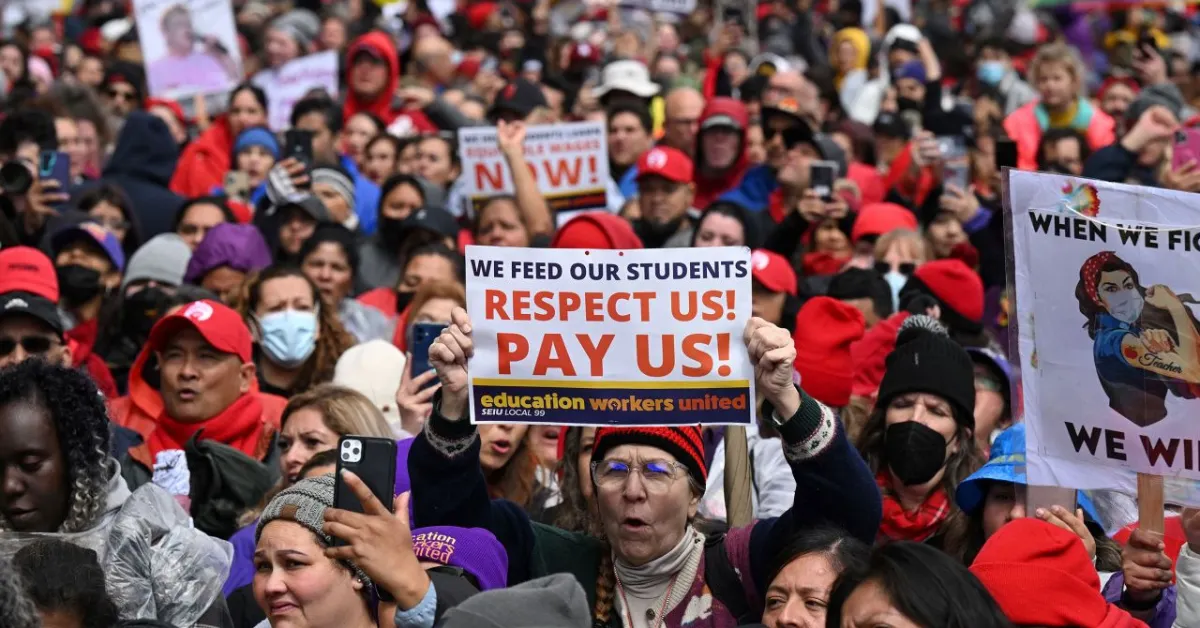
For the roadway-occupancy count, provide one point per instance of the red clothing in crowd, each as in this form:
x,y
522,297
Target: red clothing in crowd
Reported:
x,y
250,426
81,339
380,45
204,162
384,300
1022,125
710,185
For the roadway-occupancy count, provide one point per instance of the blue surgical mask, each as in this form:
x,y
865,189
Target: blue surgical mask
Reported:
x,y
1124,305
991,72
896,281
288,337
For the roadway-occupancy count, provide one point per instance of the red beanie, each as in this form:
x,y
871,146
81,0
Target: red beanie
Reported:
x,y
870,355
825,327
683,442
1041,575
956,287
876,219
596,230
169,104
477,14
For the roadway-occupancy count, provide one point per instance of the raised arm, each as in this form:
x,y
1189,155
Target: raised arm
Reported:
x,y
448,487
511,138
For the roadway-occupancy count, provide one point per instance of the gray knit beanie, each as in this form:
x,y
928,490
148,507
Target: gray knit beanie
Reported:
x,y
305,503
301,24
163,258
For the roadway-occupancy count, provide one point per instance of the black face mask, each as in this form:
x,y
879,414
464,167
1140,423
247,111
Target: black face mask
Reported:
x,y
914,452
403,299
142,310
391,232
654,235
78,285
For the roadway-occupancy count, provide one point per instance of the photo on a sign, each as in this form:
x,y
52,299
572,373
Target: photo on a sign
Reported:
x,y
189,46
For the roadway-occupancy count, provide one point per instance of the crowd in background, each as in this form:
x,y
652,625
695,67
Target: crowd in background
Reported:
x,y
194,319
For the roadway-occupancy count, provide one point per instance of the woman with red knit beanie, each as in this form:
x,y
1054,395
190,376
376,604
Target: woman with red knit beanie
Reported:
x,y
1041,575
652,568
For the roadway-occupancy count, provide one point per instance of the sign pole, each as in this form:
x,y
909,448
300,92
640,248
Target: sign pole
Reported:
x,y
1150,503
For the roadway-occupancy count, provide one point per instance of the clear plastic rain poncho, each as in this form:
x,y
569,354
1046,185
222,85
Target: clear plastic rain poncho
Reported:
x,y
156,565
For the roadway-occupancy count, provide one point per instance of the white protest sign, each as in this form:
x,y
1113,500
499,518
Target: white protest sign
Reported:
x,y
568,161
189,46
1108,336
595,337
680,7
290,82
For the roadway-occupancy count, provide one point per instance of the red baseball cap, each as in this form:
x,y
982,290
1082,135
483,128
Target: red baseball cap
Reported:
x,y
220,326
26,269
773,271
665,162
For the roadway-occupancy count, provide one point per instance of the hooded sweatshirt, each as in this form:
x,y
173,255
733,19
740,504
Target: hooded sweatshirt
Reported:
x,y
712,184
204,162
380,44
142,164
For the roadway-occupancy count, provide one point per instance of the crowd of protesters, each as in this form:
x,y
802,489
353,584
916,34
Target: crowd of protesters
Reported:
x,y
191,323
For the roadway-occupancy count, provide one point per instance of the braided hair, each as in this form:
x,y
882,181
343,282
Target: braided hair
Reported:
x,y
81,422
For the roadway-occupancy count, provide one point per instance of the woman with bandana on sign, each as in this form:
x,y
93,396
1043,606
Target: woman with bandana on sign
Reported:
x,y
1144,339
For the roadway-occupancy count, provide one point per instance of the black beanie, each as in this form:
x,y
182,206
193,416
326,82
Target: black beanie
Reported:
x,y
926,360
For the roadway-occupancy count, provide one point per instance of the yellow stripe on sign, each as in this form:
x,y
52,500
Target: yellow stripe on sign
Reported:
x,y
542,383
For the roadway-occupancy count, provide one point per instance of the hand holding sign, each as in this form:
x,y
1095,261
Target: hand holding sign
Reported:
x,y
1145,565
448,355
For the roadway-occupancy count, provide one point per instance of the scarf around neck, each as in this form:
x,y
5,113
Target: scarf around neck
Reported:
x,y
240,426
901,525
644,586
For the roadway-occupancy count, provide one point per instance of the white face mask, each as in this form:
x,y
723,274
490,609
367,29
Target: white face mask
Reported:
x,y
896,281
1124,305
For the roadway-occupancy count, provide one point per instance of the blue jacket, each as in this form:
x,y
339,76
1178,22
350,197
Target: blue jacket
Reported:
x,y
755,190
366,198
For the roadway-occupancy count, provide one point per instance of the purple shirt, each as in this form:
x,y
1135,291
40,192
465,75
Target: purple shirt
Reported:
x,y
1164,611
197,72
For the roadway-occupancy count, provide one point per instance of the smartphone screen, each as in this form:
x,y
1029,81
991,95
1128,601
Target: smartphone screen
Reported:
x,y
1047,496
55,165
1006,154
822,174
423,335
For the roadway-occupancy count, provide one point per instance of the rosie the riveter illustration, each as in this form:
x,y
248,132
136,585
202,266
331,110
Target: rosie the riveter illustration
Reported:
x,y
1144,339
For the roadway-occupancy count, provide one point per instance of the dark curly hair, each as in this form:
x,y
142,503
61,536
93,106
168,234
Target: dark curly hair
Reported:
x,y
64,577
81,421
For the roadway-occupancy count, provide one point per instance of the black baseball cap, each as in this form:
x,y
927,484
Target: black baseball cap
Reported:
x,y
30,304
520,97
431,219
309,204
890,124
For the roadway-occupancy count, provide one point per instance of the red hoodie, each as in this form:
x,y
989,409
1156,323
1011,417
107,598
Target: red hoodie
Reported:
x,y
380,44
204,162
710,185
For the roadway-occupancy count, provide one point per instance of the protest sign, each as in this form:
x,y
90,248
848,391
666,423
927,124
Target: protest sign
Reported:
x,y
180,59
679,7
583,337
1108,338
568,161
288,84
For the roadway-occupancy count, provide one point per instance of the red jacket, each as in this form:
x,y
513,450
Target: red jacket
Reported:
x,y
383,106
1022,125
710,185
140,409
81,339
204,162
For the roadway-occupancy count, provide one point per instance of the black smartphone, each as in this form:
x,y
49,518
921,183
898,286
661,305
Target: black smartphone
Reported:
x,y
821,175
374,460
1006,154
298,144
423,335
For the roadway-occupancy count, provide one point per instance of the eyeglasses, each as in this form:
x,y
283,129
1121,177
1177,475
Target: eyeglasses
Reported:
x,y
904,268
657,475
33,345
111,224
